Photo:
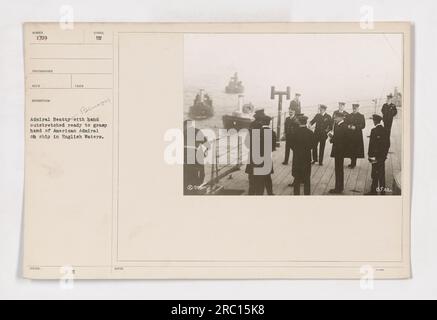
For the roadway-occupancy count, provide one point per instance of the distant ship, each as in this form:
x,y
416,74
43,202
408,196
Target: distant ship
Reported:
x,y
240,119
202,107
234,86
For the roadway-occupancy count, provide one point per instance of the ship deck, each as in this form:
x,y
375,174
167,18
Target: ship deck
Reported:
x,y
357,181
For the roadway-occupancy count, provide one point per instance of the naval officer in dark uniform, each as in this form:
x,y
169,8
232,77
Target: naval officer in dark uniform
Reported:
x,y
296,104
323,122
255,125
339,151
264,181
389,111
290,126
379,145
355,123
340,110
194,152
303,143
258,132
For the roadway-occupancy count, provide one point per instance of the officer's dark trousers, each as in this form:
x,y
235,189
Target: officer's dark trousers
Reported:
x,y
321,142
306,186
268,184
387,125
263,182
252,184
339,173
378,177
287,150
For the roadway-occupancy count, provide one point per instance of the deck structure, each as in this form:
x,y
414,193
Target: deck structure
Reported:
x,y
357,181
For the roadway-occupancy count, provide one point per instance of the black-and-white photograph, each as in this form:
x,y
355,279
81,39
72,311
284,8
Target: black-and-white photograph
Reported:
x,y
293,114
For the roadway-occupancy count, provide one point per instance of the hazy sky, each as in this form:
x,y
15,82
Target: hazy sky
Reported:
x,y
323,67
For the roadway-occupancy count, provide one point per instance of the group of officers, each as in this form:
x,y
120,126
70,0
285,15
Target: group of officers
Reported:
x,y
307,142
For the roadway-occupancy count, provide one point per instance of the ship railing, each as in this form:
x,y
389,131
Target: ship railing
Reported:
x,y
228,156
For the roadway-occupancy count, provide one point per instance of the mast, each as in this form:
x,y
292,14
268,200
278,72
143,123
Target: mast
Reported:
x,y
240,103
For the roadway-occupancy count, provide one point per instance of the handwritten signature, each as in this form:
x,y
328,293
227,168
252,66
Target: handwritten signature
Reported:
x,y
85,110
